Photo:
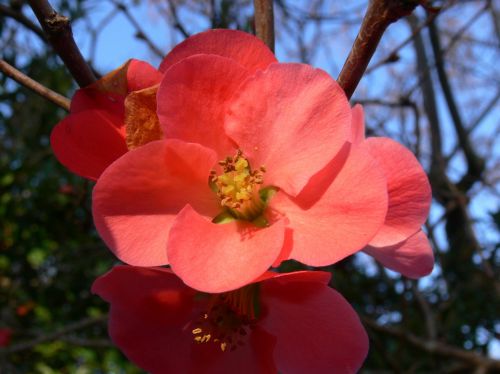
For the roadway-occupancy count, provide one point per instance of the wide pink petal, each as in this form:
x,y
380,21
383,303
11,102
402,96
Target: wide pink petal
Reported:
x,y
193,97
242,47
339,211
149,308
412,258
408,187
88,142
141,75
292,119
317,330
151,318
221,257
358,124
137,198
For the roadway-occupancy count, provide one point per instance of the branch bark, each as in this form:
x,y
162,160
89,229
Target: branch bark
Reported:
x,y
140,34
55,335
264,22
435,347
59,33
175,17
33,85
379,15
475,164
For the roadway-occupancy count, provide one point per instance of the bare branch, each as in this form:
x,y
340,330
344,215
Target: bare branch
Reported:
x,y
475,164
140,34
91,343
59,33
177,24
379,15
264,22
435,347
33,85
22,19
393,55
84,323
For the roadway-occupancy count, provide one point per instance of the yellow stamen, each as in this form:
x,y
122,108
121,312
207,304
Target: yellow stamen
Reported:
x,y
238,187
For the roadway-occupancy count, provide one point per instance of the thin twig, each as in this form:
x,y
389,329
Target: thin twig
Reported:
x,y
475,164
434,347
379,15
264,22
177,23
33,85
91,343
393,55
55,335
140,34
22,19
455,38
58,31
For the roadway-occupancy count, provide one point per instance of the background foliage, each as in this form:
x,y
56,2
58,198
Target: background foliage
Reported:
x,y
434,85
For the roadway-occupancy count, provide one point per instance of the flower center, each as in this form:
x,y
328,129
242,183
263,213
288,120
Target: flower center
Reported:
x,y
228,318
238,187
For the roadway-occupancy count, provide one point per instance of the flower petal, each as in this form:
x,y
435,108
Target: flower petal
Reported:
x,y
317,330
192,99
221,257
291,118
131,76
141,75
408,187
91,98
137,198
149,308
242,47
358,124
413,257
89,141
150,318
338,212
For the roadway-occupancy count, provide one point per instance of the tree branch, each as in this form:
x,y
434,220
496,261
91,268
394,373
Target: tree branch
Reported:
x,y
33,85
22,19
177,23
379,15
475,164
140,34
55,335
264,21
435,347
58,31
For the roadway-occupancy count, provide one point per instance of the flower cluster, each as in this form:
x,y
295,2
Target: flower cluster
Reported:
x,y
222,164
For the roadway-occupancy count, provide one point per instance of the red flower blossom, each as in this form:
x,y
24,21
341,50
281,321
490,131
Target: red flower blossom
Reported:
x,y
287,323
287,184
93,135
400,243
5,336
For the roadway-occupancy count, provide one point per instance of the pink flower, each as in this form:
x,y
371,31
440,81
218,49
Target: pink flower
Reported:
x,y
400,244
256,167
287,323
93,135
5,336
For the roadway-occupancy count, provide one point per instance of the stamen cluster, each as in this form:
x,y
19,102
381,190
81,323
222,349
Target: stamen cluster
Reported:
x,y
237,187
228,319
